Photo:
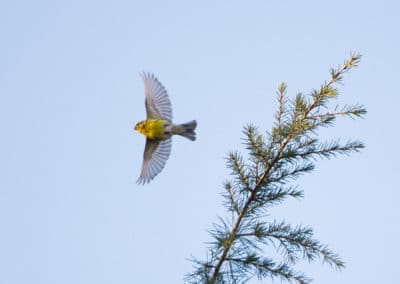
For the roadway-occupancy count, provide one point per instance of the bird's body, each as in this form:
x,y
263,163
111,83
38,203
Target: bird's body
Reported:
x,y
154,128
162,129
158,128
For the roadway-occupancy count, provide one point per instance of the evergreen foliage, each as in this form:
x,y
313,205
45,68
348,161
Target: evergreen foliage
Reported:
x,y
263,179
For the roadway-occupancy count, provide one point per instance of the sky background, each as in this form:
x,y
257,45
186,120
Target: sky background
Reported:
x,y
70,90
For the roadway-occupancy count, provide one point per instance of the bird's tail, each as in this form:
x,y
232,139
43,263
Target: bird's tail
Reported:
x,y
186,129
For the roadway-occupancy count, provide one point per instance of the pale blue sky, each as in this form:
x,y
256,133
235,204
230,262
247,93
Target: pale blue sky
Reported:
x,y
70,210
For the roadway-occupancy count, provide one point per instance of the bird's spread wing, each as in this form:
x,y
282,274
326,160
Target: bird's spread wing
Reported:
x,y
156,154
157,102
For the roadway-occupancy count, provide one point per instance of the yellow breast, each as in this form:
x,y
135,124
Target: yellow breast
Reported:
x,y
154,128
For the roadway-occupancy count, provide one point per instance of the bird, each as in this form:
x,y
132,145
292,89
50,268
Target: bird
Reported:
x,y
158,128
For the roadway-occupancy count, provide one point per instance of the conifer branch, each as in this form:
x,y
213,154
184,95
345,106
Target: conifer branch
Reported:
x,y
262,180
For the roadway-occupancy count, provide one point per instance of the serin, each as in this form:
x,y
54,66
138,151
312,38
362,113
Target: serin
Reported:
x,y
158,128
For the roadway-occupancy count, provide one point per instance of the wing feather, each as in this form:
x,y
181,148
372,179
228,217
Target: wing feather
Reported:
x,y
158,105
156,154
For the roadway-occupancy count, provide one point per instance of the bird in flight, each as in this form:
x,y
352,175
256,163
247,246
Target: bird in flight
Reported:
x,y
158,128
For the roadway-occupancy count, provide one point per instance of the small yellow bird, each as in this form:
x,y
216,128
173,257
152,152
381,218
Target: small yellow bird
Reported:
x,y
158,128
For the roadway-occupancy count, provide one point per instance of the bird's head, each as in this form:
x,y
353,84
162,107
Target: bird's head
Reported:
x,y
139,127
